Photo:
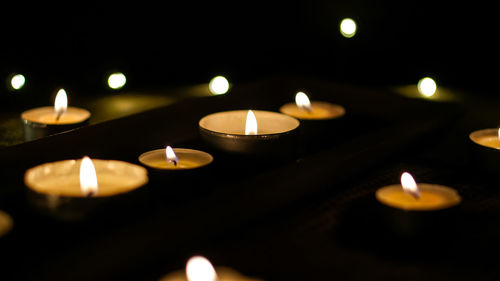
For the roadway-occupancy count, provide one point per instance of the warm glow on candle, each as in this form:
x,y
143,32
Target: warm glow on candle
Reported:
x,y
88,177
199,268
170,154
251,124
303,101
61,103
409,185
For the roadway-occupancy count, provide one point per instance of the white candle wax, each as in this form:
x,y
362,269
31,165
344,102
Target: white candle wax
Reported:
x,y
46,115
62,178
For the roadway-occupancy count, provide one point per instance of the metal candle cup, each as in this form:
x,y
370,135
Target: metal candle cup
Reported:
x,y
41,122
44,121
485,149
184,165
188,159
319,120
407,216
54,188
199,268
226,132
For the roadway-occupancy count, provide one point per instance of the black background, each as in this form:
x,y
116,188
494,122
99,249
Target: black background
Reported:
x,y
160,44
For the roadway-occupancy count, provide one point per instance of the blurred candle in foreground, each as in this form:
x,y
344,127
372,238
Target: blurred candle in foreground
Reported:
x,y
199,268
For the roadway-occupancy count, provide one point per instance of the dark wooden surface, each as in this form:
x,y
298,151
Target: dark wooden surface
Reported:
x,y
274,218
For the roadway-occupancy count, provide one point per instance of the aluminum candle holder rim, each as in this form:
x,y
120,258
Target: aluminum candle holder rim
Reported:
x,y
293,124
207,157
248,137
473,136
28,120
45,169
275,132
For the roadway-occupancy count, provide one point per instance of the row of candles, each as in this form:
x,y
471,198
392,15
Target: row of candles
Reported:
x,y
233,131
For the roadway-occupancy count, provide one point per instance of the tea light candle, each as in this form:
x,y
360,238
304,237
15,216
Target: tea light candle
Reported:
x,y
486,138
422,197
6,223
199,268
175,159
408,210
304,109
57,185
486,149
43,121
249,131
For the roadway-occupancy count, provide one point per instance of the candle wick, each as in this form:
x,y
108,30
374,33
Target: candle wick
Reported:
x,y
90,194
415,195
173,161
59,115
307,108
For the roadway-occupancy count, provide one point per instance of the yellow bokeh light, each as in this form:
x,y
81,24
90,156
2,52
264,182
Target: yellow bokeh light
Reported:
x,y
17,81
348,27
116,80
427,86
218,85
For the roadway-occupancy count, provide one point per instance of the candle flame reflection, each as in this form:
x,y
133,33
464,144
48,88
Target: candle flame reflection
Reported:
x,y
303,101
199,268
61,103
88,177
251,124
409,185
170,154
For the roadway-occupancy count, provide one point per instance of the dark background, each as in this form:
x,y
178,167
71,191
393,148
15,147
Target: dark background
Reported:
x,y
161,44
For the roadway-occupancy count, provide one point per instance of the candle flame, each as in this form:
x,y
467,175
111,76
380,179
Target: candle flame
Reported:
x,y
61,103
499,133
170,154
199,268
88,177
409,185
251,124
303,101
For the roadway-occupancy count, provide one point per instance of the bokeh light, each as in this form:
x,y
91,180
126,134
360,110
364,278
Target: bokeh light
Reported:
x,y
427,86
116,80
218,85
348,27
17,81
